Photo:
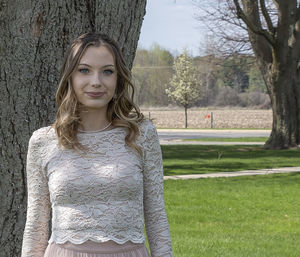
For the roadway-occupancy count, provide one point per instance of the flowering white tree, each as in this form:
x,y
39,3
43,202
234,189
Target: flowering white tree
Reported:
x,y
184,86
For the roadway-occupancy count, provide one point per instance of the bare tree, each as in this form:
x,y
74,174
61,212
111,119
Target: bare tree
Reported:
x,y
273,32
34,37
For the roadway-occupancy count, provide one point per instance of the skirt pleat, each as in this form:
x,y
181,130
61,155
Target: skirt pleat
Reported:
x,y
93,249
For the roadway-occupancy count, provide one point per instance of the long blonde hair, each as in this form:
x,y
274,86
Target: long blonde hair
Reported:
x,y
121,111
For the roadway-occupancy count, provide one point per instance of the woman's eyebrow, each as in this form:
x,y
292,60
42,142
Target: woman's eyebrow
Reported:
x,y
84,64
107,65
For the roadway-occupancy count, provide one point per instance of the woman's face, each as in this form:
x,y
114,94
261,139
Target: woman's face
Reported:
x,y
95,79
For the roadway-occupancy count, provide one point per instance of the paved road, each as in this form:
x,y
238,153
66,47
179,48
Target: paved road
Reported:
x,y
179,134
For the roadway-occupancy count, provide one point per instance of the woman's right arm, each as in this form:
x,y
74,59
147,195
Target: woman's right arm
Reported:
x,y
35,238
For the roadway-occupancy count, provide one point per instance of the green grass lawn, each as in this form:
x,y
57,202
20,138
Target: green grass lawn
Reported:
x,y
197,159
255,216
229,139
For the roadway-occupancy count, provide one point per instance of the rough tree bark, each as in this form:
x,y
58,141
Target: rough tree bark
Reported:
x,y
277,49
34,37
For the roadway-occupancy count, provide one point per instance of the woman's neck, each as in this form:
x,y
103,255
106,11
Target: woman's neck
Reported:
x,y
93,120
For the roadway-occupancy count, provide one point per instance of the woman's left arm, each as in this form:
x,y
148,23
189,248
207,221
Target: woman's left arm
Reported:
x,y
35,238
156,221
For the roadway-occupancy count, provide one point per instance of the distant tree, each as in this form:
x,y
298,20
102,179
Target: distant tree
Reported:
x,y
208,71
256,81
152,70
218,71
208,68
272,32
234,72
227,96
184,86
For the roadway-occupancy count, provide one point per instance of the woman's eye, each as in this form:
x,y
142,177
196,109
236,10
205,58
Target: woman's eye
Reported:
x,y
83,70
108,72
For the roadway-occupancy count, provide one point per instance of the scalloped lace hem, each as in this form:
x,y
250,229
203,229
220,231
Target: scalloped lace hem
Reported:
x,y
94,239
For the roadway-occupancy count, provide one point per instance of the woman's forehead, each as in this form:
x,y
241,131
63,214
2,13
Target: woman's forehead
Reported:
x,y
97,55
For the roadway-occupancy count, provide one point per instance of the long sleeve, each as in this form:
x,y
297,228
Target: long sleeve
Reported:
x,y
36,231
156,222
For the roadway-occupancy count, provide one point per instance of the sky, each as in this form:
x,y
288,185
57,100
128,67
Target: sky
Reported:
x,y
172,24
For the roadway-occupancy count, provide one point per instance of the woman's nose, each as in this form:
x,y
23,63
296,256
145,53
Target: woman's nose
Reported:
x,y
96,79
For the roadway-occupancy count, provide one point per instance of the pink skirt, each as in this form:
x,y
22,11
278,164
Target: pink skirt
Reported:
x,y
93,249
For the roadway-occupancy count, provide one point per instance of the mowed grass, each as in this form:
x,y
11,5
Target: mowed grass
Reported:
x,y
229,139
255,216
197,159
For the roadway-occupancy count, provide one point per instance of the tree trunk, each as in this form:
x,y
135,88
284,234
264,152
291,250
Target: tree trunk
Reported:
x,y
34,38
185,115
278,52
283,86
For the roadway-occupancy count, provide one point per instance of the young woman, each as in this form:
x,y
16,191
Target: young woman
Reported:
x,y
98,167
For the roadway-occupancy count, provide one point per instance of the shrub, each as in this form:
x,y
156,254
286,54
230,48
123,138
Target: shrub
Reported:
x,y
227,97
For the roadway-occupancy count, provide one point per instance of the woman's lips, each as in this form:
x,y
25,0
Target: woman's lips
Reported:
x,y
95,94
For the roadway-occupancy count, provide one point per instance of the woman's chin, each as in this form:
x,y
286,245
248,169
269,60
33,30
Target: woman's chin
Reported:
x,y
94,107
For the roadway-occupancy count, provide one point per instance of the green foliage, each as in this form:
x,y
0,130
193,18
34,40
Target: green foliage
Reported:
x,y
160,56
151,71
207,80
256,82
184,86
208,70
234,72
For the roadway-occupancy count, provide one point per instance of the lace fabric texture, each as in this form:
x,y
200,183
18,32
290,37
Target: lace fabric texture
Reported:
x,y
106,194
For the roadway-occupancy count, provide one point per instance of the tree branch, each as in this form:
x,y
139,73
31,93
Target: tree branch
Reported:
x,y
267,17
259,31
231,33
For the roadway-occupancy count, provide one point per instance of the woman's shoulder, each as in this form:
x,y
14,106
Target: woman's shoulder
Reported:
x,y
44,131
42,135
41,142
147,130
146,125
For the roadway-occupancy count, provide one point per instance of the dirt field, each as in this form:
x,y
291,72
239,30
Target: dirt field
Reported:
x,y
222,118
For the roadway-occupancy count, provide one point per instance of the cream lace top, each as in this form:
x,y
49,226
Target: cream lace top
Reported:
x,y
107,194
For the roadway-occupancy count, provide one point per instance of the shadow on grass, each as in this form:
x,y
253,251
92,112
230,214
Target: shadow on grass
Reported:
x,y
283,179
204,169
199,159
